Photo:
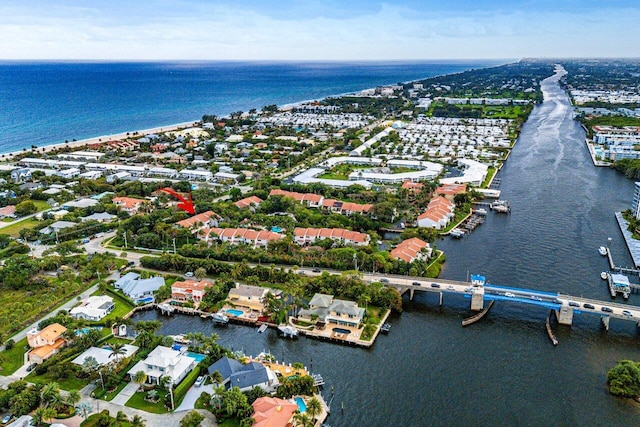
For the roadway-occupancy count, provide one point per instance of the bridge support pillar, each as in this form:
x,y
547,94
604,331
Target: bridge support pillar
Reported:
x,y
441,302
605,322
565,315
411,294
477,301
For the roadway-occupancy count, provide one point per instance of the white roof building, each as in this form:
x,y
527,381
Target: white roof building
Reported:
x,y
104,356
93,308
164,361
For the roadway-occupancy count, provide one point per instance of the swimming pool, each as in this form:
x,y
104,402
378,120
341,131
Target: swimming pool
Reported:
x,y
341,331
301,405
85,330
145,300
234,312
199,357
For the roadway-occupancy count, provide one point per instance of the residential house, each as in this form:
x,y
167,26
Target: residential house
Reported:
x,y
449,191
139,290
438,213
21,175
45,343
308,199
104,356
190,290
414,187
164,361
99,216
200,221
93,308
249,202
346,208
306,236
129,204
8,212
245,377
250,297
273,412
237,236
411,249
57,226
326,309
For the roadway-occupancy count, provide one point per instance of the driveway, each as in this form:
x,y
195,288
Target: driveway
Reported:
x,y
126,393
192,395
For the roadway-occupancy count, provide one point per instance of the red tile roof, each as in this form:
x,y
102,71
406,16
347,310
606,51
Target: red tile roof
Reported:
x,y
409,249
300,197
202,218
249,201
452,189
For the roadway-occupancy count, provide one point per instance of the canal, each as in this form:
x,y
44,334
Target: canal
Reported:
x,y
503,370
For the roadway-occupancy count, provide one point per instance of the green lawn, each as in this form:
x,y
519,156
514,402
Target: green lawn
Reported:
x,y
93,421
230,422
68,384
41,205
14,229
13,359
137,401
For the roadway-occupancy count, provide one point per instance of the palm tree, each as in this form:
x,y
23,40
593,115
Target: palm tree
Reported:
x,y
216,377
139,378
314,407
72,398
49,414
121,417
50,394
303,420
137,421
117,350
84,408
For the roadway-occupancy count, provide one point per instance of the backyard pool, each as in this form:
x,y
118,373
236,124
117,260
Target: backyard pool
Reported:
x,y
146,300
301,405
199,357
85,330
341,331
233,312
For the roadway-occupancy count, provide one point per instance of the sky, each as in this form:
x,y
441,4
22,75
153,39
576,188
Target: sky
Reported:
x,y
317,29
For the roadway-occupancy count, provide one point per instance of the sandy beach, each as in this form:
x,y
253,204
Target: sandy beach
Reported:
x,y
103,138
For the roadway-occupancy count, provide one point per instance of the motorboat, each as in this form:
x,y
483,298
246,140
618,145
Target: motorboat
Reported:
x,y
481,212
602,250
220,318
603,275
288,331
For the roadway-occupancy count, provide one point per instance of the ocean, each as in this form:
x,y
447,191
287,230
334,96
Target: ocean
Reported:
x,y
46,103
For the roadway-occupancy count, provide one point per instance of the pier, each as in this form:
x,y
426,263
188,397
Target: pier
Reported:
x,y
478,316
632,244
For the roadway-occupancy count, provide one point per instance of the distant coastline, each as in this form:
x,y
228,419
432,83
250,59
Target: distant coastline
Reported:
x,y
13,131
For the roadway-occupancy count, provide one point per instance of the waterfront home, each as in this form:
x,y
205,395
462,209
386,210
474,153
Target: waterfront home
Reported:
x,y
438,213
129,204
249,202
273,412
190,290
93,308
104,355
346,208
46,342
328,310
411,249
141,290
125,280
249,296
164,361
200,221
245,376
306,236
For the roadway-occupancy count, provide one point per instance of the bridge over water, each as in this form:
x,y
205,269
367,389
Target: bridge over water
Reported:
x,y
478,291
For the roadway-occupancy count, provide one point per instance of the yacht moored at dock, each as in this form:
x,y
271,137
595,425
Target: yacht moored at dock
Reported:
x,y
288,331
602,250
219,318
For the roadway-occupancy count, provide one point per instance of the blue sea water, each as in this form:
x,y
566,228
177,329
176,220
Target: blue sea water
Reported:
x,y
45,103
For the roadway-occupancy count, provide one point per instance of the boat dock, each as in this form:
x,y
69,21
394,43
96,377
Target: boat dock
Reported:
x,y
632,244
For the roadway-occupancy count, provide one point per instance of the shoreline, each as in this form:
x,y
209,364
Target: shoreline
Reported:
x,y
102,138
8,156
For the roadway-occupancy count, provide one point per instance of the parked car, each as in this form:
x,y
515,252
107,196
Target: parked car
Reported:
x,y
435,285
590,306
199,381
188,274
7,418
574,304
31,367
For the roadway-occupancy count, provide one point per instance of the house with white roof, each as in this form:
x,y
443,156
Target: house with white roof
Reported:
x,y
104,356
164,361
93,308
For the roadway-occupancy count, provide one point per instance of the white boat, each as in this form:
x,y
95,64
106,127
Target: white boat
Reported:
x,y
602,250
219,317
481,212
501,208
180,339
288,331
603,275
